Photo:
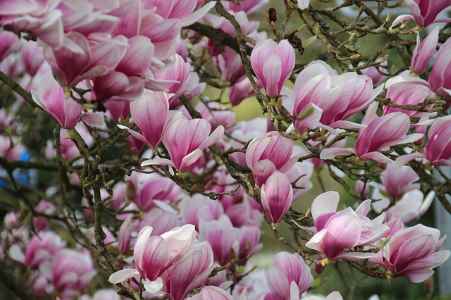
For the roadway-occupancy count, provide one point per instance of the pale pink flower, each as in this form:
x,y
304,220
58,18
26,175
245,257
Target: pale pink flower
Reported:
x,y
199,208
413,252
186,139
273,64
189,272
8,43
276,196
439,78
221,235
211,293
438,147
424,51
42,248
150,112
289,276
269,153
398,179
72,271
340,232
49,95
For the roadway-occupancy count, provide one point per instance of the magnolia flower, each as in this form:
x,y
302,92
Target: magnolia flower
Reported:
x,y
424,12
424,51
153,255
189,272
249,241
199,208
376,135
289,277
273,64
42,247
49,95
410,92
438,147
150,112
439,80
8,43
339,232
211,293
398,179
82,58
276,196
241,90
186,139
221,235
269,153
334,97
184,81
72,271
413,252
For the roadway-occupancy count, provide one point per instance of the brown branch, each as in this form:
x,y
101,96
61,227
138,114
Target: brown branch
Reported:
x,y
18,89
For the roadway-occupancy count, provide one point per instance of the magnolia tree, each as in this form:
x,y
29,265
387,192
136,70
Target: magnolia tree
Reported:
x,y
126,174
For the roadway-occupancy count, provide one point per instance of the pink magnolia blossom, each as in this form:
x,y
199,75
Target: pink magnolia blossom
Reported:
x,y
289,277
32,57
340,232
199,208
211,293
117,86
439,78
266,154
118,109
230,65
151,188
241,90
249,241
411,92
438,147
72,271
103,294
8,149
185,81
150,112
244,213
411,206
42,248
186,139
8,43
85,58
154,254
189,272
138,57
424,51
216,114
161,220
276,196
67,147
221,235
413,252
49,95
336,96
398,179
44,207
425,12
38,17
273,64
84,17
